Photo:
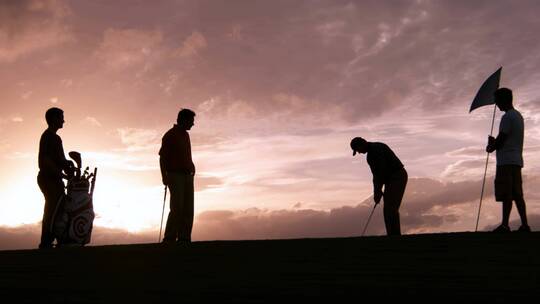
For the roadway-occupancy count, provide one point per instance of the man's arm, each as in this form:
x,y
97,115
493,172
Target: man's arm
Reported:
x,y
192,168
50,166
164,154
377,191
67,165
51,156
164,178
496,143
378,167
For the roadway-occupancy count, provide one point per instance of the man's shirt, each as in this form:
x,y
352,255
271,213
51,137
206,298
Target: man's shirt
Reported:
x,y
50,147
511,151
382,161
175,151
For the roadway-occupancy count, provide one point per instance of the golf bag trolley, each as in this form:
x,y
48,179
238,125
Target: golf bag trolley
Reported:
x,y
74,214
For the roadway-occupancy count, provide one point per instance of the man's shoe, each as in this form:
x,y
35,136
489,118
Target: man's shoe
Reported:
x,y
45,246
502,229
524,228
168,242
183,242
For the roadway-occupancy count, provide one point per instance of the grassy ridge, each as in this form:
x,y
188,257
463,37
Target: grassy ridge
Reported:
x,y
433,266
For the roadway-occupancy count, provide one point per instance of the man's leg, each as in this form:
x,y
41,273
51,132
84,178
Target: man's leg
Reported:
x,y
187,210
393,195
175,202
506,210
503,194
522,210
391,218
52,191
517,194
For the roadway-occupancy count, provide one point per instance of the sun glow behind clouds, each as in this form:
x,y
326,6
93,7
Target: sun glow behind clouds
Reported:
x,y
279,88
22,203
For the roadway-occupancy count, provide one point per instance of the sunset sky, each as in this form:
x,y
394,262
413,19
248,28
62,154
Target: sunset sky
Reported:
x,y
279,88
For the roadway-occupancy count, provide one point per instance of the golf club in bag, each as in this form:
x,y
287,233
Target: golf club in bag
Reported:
x,y
74,215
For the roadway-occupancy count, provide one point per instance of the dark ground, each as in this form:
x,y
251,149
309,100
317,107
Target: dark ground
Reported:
x,y
442,267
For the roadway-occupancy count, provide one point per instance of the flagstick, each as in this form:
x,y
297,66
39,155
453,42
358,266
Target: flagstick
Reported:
x,y
485,172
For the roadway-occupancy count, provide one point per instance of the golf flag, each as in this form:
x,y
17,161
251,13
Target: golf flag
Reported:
x,y
485,96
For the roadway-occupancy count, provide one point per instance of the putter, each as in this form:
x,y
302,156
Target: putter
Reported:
x,y
162,213
369,219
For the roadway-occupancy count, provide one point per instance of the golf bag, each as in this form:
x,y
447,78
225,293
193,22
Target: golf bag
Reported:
x,y
74,215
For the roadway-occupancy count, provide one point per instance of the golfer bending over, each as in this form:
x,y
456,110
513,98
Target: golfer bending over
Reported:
x,y
387,170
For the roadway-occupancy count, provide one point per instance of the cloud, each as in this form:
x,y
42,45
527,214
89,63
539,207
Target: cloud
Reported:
x,y
207,182
28,237
92,121
66,83
139,139
26,95
125,159
27,26
192,45
429,206
124,48
356,54
423,210
20,155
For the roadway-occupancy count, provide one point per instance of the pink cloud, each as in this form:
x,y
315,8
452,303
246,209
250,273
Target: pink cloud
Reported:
x,y
29,26
123,48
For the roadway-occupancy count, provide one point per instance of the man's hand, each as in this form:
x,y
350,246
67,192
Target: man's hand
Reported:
x,y
192,169
377,196
491,144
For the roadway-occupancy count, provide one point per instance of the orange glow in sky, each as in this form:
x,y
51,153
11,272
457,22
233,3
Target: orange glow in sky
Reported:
x,y
279,89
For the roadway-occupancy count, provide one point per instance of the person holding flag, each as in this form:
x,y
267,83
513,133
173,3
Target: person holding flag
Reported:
x,y
509,155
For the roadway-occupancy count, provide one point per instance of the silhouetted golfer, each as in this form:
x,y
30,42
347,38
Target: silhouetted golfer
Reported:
x,y
509,147
177,172
387,170
52,162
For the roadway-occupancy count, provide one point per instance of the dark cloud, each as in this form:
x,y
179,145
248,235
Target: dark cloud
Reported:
x,y
28,237
428,206
364,56
207,182
341,59
27,26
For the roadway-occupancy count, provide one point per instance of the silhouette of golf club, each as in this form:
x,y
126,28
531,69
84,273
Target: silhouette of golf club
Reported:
x,y
76,156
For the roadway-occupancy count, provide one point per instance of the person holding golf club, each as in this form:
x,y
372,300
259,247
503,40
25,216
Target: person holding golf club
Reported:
x,y
177,172
509,147
53,166
388,171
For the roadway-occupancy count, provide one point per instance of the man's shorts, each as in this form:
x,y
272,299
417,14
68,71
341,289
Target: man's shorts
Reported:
x,y
508,183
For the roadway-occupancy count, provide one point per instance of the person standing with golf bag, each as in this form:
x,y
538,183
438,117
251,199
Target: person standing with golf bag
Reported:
x,y
52,165
388,171
177,172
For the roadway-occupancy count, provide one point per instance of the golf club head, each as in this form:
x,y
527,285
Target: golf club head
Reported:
x,y
76,156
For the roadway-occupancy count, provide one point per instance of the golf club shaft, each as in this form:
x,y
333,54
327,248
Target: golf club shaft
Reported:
x,y
369,219
162,213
